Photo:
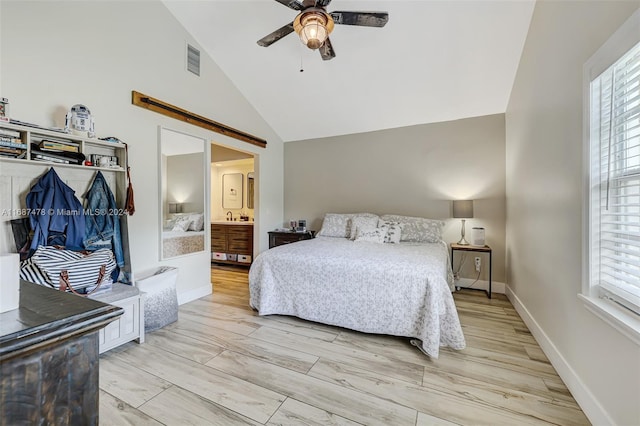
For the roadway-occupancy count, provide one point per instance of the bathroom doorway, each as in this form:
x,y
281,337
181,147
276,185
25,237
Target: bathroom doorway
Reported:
x,y
232,184
233,206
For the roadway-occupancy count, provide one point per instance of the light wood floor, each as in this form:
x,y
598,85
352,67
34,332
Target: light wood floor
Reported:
x,y
222,364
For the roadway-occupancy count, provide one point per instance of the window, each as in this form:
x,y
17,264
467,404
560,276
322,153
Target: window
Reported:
x,y
611,249
615,181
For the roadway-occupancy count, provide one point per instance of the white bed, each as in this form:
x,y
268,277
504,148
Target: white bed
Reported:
x,y
401,289
178,243
183,233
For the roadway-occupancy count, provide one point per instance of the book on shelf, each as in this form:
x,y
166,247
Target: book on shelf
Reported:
x,y
14,143
39,138
21,155
38,156
66,156
12,152
10,148
48,145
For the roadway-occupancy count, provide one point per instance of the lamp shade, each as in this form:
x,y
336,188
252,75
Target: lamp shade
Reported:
x,y
175,207
462,209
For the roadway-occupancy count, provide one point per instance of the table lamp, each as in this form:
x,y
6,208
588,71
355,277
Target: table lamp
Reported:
x,y
463,209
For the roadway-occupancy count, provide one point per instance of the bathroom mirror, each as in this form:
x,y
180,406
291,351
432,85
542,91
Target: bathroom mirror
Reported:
x,y
184,214
232,193
250,189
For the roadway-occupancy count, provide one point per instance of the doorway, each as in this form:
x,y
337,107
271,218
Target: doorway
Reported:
x,y
233,201
234,170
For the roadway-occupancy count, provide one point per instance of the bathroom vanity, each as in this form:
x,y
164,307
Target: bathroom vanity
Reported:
x,y
232,242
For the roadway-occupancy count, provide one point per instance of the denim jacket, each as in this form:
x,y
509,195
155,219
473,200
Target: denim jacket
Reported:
x,y
56,214
102,228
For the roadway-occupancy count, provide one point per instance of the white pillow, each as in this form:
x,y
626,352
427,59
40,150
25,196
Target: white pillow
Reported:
x,y
366,223
375,235
417,229
182,223
168,224
197,222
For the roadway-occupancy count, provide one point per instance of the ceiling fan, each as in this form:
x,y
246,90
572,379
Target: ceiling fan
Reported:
x,y
314,24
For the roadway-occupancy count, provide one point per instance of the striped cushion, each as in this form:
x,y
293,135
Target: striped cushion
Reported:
x,y
83,270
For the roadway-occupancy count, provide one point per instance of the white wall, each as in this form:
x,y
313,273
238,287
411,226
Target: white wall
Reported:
x,y
413,171
56,54
544,208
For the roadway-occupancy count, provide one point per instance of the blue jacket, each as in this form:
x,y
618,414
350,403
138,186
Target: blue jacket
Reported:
x,y
102,219
55,212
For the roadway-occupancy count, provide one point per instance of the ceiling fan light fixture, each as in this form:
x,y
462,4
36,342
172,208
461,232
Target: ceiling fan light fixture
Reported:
x,y
313,27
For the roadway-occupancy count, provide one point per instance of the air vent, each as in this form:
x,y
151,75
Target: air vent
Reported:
x,y
193,60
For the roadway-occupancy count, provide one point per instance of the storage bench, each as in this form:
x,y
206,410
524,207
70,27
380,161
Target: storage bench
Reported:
x,y
130,325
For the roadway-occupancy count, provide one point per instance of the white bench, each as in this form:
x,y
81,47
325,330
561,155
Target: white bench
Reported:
x,y
130,325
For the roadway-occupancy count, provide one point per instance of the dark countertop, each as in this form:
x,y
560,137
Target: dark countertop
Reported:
x,y
46,315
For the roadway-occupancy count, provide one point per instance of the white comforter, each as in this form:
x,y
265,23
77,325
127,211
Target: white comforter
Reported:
x,y
397,289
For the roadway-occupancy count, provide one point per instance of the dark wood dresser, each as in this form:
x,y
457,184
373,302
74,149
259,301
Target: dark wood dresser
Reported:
x,y
49,358
278,238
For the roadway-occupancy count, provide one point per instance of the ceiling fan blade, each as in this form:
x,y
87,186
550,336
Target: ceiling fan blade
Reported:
x,y
291,4
364,19
326,50
322,3
268,40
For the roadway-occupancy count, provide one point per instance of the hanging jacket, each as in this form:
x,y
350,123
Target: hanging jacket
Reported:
x,y
56,214
102,228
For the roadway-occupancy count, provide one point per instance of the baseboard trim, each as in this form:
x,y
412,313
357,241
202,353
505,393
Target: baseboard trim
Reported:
x,y
596,414
194,294
496,287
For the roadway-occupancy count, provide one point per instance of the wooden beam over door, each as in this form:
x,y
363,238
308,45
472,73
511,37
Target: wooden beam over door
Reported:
x,y
173,111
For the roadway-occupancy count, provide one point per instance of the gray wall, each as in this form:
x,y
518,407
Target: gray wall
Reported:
x,y
186,177
412,171
544,207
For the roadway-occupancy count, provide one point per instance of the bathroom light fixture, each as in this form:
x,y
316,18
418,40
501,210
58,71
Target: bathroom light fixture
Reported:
x,y
313,27
463,209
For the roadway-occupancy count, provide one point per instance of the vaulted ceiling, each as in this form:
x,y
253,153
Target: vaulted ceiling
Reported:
x,y
433,61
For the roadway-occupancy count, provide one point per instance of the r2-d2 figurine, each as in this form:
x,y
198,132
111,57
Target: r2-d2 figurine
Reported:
x,y
79,121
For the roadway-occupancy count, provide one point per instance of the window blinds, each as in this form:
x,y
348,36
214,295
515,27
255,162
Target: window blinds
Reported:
x,y
615,177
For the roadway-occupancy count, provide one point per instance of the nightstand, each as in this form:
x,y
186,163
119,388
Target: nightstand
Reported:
x,y
477,249
278,238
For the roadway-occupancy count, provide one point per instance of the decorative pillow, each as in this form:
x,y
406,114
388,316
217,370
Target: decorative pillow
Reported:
x,y
197,222
394,231
417,229
335,225
366,222
182,223
339,224
375,235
